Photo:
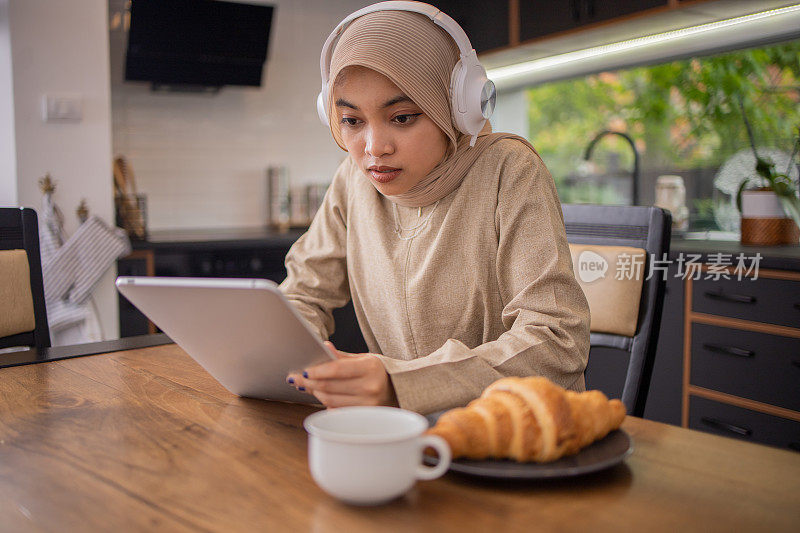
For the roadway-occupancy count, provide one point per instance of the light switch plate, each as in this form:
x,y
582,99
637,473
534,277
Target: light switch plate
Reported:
x,y
62,108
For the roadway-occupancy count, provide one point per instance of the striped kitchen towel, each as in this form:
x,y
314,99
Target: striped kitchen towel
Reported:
x,y
74,269
62,315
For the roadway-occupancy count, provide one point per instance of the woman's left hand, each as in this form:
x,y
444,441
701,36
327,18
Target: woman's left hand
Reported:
x,y
351,379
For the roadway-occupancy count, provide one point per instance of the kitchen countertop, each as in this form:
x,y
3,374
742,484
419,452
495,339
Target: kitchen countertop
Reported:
x,y
772,257
216,238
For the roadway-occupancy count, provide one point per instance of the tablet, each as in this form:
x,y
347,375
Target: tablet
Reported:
x,y
244,332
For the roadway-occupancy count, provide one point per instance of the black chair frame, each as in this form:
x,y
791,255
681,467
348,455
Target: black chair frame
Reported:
x,y
649,228
19,229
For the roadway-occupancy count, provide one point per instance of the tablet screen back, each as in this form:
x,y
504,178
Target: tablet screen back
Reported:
x,y
242,331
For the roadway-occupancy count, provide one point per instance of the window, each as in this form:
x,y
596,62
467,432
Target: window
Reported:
x,y
684,118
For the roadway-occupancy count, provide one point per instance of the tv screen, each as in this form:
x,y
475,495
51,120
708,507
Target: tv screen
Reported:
x,y
197,42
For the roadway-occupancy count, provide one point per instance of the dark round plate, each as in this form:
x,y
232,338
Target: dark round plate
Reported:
x,y
606,452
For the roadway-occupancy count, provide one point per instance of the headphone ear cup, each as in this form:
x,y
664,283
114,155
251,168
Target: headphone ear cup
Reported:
x,y
323,116
467,84
457,104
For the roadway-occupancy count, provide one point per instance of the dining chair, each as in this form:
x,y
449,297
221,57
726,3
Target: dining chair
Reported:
x,y
23,315
619,256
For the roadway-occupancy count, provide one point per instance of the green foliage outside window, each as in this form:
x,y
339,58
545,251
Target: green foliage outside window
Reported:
x,y
682,114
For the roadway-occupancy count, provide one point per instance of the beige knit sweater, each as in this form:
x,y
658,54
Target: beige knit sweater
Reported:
x,y
485,290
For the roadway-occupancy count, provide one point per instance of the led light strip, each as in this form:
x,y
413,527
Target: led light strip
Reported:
x,y
500,74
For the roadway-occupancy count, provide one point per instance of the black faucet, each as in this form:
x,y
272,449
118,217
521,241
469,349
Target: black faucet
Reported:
x,y
636,170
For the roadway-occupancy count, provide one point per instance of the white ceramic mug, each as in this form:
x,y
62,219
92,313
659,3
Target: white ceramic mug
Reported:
x,y
370,455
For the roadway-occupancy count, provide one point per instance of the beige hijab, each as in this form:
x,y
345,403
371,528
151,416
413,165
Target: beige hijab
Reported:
x,y
418,57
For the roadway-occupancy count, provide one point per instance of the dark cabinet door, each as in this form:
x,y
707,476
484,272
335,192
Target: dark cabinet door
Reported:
x,y
748,364
666,384
599,10
485,23
543,17
766,300
738,423
131,320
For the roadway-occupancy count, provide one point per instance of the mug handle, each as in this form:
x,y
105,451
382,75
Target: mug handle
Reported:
x,y
442,448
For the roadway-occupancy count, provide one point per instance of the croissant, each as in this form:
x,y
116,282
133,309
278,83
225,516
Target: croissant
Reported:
x,y
528,419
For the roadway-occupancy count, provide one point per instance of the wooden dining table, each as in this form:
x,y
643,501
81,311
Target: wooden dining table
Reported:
x,y
146,440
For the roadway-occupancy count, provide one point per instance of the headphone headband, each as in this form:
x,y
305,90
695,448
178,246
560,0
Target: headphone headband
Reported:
x,y
441,19
472,94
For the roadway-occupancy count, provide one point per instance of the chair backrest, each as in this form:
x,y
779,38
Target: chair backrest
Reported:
x,y
19,230
647,228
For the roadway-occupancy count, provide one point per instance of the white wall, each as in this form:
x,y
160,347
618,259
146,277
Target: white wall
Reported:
x,y
62,47
8,158
511,113
201,159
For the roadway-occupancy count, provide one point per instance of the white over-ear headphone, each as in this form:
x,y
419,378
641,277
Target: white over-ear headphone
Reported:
x,y
472,94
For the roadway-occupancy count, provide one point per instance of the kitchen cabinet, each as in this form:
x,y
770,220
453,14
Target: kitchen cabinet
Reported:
x,y
496,25
765,299
742,357
131,321
602,10
728,360
538,18
746,364
664,397
744,424
486,23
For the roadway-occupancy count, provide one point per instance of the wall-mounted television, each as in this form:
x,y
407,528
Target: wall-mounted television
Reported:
x,y
200,43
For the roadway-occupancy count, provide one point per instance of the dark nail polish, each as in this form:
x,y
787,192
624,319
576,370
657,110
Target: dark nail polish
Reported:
x,y
305,375
301,389
291,381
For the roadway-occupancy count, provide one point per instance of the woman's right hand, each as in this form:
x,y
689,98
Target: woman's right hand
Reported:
x,y
350,379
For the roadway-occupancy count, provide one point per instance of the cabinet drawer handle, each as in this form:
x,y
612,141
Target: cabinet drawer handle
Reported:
x,y
736,298
719,424
729,350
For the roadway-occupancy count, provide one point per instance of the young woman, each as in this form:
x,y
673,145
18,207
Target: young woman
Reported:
x,y
455,256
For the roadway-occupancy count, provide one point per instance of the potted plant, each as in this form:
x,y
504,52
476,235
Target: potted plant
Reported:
x,y
771,213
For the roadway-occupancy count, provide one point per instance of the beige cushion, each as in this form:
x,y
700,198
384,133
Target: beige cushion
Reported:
x,y
16,300
611,277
